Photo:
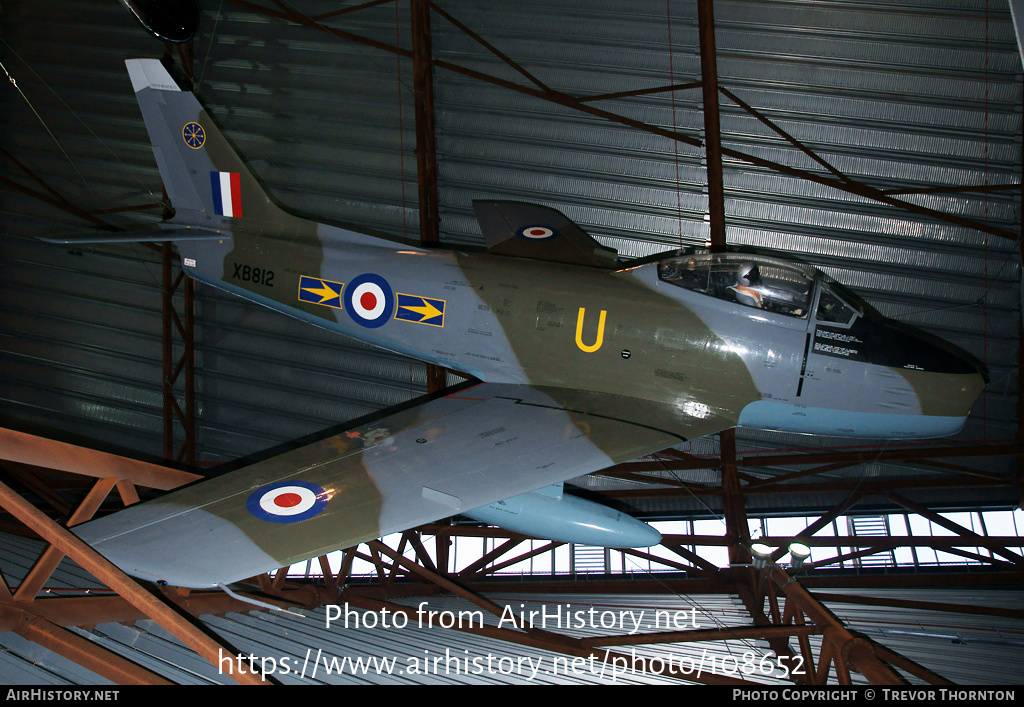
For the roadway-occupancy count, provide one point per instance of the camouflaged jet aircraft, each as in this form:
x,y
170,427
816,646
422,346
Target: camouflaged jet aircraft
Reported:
x,y
584,362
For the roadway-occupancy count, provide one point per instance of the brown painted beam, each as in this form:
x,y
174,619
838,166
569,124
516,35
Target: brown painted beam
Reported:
x,y
849,502
978,188
946,523
920,605
640,92
672,540
939,542
876,486
524,556
537,92
674,584
979,558
553,642
784,478
416,540
786,136
426,148
354,8
51,557
579,104
60,202
843,558
129,494
797,618
479,567
849,649
858,456
899,661
1020,387
960,470
346,565
40,483
867,192
180,328
88,654
661,560
489,47
426,143
743,633
701,565
110,608
737,529
435,578
889,453
712,128
299,18
103,570
50,454
745,584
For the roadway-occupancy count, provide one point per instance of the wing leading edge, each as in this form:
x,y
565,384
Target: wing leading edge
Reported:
x,y
451,454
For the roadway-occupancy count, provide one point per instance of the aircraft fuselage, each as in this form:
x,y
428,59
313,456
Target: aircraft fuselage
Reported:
x,y
818,365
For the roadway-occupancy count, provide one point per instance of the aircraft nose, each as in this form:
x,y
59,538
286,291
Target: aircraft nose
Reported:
x,y
947,381
946,399
982,370
952,394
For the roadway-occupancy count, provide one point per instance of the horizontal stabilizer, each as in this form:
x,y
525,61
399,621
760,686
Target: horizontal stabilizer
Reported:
x,y
149,235
524,230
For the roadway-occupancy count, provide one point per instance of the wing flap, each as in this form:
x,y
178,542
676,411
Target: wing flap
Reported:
x,y
450,454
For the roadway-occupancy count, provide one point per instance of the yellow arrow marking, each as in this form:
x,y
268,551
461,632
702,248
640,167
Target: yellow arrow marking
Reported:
x,y
427,311
325,292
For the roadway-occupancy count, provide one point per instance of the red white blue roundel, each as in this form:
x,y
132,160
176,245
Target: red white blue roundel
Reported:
x,y
537,233
369,300
288,501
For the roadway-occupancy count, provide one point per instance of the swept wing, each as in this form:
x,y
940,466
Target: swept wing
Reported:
x,y
464,450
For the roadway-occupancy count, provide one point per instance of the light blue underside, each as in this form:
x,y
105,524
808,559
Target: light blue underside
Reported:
x,y
567,518
768,415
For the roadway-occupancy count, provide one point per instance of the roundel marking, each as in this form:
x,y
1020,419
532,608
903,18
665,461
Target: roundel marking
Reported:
x,y
537,233
194,135
288,501
369,300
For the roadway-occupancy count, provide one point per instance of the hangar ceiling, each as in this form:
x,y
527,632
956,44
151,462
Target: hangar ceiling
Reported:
x,y
880,144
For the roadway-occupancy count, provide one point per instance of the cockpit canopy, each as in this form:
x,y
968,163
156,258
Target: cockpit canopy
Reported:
x,y
753,281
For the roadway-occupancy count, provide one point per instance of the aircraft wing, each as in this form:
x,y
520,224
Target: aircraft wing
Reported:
x,y
469,448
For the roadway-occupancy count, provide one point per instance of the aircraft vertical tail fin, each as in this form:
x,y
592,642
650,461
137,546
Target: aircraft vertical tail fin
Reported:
x,y
208,183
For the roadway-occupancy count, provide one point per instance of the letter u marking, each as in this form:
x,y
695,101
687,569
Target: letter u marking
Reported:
x,y
579,331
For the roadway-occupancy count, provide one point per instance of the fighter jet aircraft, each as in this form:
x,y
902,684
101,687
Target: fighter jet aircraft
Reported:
x,y
583,361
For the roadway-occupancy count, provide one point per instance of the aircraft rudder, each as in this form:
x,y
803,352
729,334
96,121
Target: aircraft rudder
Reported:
x,y
208,183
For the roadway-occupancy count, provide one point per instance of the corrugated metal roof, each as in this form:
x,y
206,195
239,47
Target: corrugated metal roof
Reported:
x,y
905,95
